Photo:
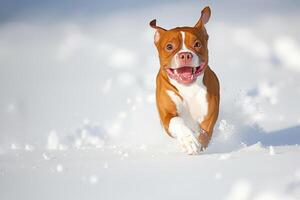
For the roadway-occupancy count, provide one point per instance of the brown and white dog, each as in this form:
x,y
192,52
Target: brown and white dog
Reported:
x,y
187,90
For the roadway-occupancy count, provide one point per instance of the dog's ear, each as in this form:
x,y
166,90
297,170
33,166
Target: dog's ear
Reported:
x,y
205,15
159,31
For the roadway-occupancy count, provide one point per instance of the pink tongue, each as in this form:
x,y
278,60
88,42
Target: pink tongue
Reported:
x,y
185,72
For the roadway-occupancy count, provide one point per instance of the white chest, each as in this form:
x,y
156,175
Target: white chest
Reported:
x,y
194,105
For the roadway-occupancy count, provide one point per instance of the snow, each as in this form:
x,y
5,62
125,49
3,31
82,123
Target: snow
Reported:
x,y
105,165
13,146
245,175
271,150
240,190
122,58
218,175
29,147
52,141
45,157
288,51
224,156
78,117
59,168
93,179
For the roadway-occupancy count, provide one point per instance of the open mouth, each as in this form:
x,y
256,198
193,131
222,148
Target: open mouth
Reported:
x,y
185,74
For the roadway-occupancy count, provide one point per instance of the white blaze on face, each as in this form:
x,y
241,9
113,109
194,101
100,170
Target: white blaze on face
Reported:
x,y
175,60
183,48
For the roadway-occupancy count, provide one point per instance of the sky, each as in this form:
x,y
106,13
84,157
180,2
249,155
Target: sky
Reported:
x,y
16,9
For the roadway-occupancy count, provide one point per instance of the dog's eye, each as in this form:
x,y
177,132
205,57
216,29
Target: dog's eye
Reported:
x,y
169,47
197,44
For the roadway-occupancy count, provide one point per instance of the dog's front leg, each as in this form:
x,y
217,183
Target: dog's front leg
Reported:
x,y
186,138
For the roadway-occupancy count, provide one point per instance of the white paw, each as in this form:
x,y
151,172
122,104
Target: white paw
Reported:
x,y
190,144
185,136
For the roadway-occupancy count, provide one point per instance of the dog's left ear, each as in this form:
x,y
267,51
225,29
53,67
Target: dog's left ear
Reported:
x,y
205,15
159,31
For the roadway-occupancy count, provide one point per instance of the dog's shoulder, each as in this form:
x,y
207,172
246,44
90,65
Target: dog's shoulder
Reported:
x,y
211,81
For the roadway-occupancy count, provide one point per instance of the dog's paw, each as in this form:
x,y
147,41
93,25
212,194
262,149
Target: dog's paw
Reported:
x,y
204,139
190,144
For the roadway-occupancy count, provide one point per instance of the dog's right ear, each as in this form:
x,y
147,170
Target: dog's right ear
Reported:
x,y
159,31
205,15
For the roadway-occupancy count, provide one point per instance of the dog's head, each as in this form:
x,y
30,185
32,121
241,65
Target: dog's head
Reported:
x,y
183,51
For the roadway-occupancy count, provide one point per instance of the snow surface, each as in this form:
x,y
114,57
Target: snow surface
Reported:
x,y
78,117
127,173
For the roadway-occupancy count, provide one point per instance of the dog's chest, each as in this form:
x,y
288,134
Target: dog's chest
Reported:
x,y
194,105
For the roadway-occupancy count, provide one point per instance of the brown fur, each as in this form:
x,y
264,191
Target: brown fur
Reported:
x,y
166,107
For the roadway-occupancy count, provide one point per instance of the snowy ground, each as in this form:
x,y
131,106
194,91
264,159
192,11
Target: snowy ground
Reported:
x,y
77,110
254,172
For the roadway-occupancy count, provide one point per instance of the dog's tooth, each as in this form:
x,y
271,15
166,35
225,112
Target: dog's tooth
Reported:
x,y
175,71
194,70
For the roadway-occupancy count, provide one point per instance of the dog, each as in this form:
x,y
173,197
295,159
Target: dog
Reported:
x,y
187,90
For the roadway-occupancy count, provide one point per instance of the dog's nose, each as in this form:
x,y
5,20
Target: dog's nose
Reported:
x,y
185,56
